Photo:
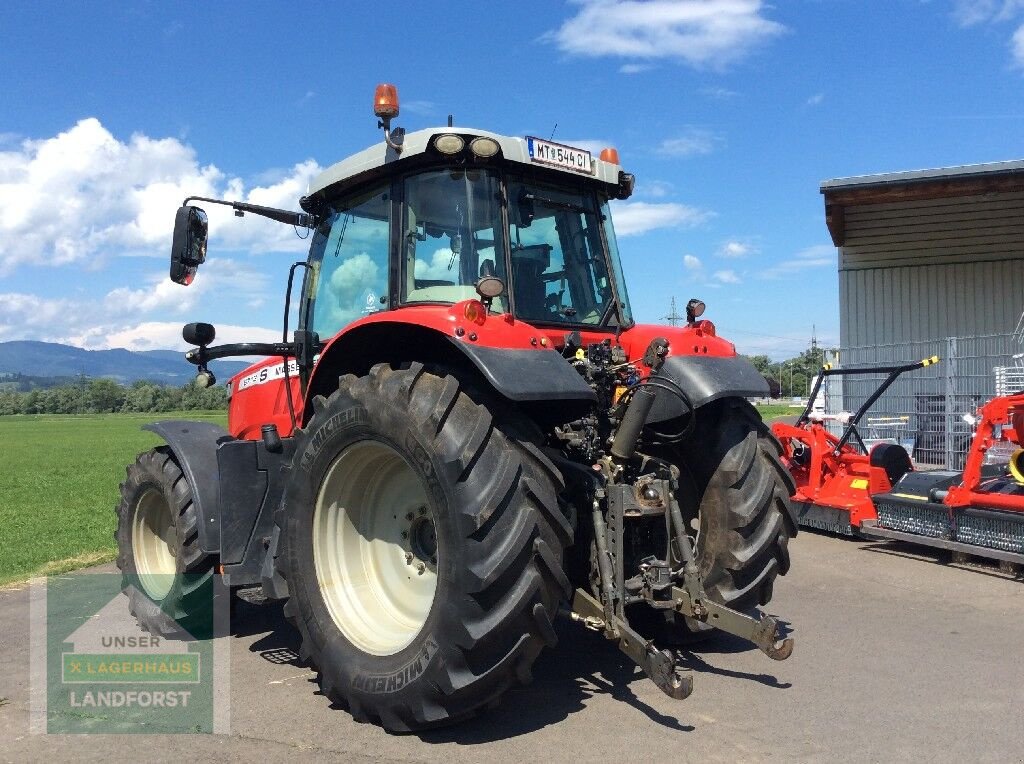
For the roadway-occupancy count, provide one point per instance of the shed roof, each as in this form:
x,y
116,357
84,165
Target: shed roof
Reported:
x,y
914,185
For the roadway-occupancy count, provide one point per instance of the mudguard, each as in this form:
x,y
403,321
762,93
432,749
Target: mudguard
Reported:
x,y
528,375
507,356
705,379
194,445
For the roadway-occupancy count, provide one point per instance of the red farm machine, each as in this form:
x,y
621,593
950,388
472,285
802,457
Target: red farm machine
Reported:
x,y
845,486
466,434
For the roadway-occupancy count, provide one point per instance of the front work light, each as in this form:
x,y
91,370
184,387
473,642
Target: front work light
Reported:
x,y
484,147
449,144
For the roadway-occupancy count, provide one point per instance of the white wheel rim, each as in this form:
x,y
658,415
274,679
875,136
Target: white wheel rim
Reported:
x,y
374,548
154,539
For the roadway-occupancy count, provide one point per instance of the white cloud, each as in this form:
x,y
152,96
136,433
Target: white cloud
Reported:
x,y
694,142
692,263
633,218
700,33
727,277
99,325
655,189
816,99
217,276
971,12
102,322
1018,46
83,194
718,93
817,256
634,68
166,335
735,248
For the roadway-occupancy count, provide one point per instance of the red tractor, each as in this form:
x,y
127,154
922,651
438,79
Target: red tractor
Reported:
x,y
845,487
467,430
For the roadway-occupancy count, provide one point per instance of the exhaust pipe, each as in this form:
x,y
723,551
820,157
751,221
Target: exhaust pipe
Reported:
x,y
628,433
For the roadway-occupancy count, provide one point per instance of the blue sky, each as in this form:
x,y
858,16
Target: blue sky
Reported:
x,y
729,112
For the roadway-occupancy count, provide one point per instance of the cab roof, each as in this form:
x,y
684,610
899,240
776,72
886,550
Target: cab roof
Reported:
x,y
416,143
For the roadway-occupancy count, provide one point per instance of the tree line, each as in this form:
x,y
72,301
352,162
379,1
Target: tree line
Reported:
x,y
104,396
792,377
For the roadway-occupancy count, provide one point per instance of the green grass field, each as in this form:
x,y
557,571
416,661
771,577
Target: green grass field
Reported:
x,y
776,409
59,484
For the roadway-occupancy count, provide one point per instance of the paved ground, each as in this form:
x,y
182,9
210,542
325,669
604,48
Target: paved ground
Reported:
x,y
897,659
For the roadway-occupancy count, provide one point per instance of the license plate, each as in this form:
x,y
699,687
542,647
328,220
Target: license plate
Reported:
x,y
558,155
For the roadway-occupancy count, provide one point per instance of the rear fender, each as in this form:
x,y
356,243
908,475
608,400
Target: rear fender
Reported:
x,y
705,379
521,371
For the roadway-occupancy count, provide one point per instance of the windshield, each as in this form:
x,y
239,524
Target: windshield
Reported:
x,y
559,271
452,236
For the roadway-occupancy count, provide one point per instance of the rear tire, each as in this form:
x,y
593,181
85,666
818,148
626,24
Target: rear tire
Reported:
x,y
396,646
168,578
739,490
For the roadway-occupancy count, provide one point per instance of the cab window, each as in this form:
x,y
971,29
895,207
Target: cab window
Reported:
x,y
452,235
349,277
558,265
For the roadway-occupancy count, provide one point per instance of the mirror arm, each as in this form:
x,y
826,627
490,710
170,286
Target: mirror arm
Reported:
x,y
201,355
281,216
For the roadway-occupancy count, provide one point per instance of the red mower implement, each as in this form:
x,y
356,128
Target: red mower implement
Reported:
x,y
845,487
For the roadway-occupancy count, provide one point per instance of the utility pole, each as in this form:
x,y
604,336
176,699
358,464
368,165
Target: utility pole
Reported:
x,y
673,318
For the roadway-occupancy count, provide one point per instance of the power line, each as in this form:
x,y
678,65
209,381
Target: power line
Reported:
x,y
673,317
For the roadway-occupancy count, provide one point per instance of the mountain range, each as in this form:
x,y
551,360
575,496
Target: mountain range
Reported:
x,y
53,361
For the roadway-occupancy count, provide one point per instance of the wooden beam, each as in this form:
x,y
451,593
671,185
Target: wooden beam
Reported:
x,y
915,190
835,219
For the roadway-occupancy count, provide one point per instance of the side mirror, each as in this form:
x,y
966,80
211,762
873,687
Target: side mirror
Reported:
x,y
188,247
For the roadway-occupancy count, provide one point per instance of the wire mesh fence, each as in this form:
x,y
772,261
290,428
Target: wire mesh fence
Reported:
x,y
924,409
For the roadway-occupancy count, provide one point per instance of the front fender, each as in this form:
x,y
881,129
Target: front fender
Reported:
x,y
705,379
194,445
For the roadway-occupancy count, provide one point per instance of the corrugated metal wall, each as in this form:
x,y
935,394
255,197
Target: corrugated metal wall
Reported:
x,y
923,270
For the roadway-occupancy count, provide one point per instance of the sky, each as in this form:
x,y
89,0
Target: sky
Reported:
x,y
729,112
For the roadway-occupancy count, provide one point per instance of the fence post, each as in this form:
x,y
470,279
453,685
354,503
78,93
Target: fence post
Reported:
x,y
949,364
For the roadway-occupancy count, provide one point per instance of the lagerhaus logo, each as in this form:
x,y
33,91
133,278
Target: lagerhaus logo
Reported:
x,y
95,670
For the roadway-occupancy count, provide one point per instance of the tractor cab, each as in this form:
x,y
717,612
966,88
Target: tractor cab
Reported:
x,y
467,215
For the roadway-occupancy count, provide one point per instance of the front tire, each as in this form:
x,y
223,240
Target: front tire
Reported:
x,y
168,578
402,469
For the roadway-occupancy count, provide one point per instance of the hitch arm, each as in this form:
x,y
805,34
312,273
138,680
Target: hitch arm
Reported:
x,y
764,632
660,666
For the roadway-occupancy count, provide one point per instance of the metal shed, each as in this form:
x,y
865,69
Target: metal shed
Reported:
x,y
929,253
930,262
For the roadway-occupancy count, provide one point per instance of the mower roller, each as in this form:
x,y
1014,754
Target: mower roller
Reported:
x,y
467,434
844,487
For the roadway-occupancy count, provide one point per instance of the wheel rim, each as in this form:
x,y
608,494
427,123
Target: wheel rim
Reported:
x,y
375,548
154,539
